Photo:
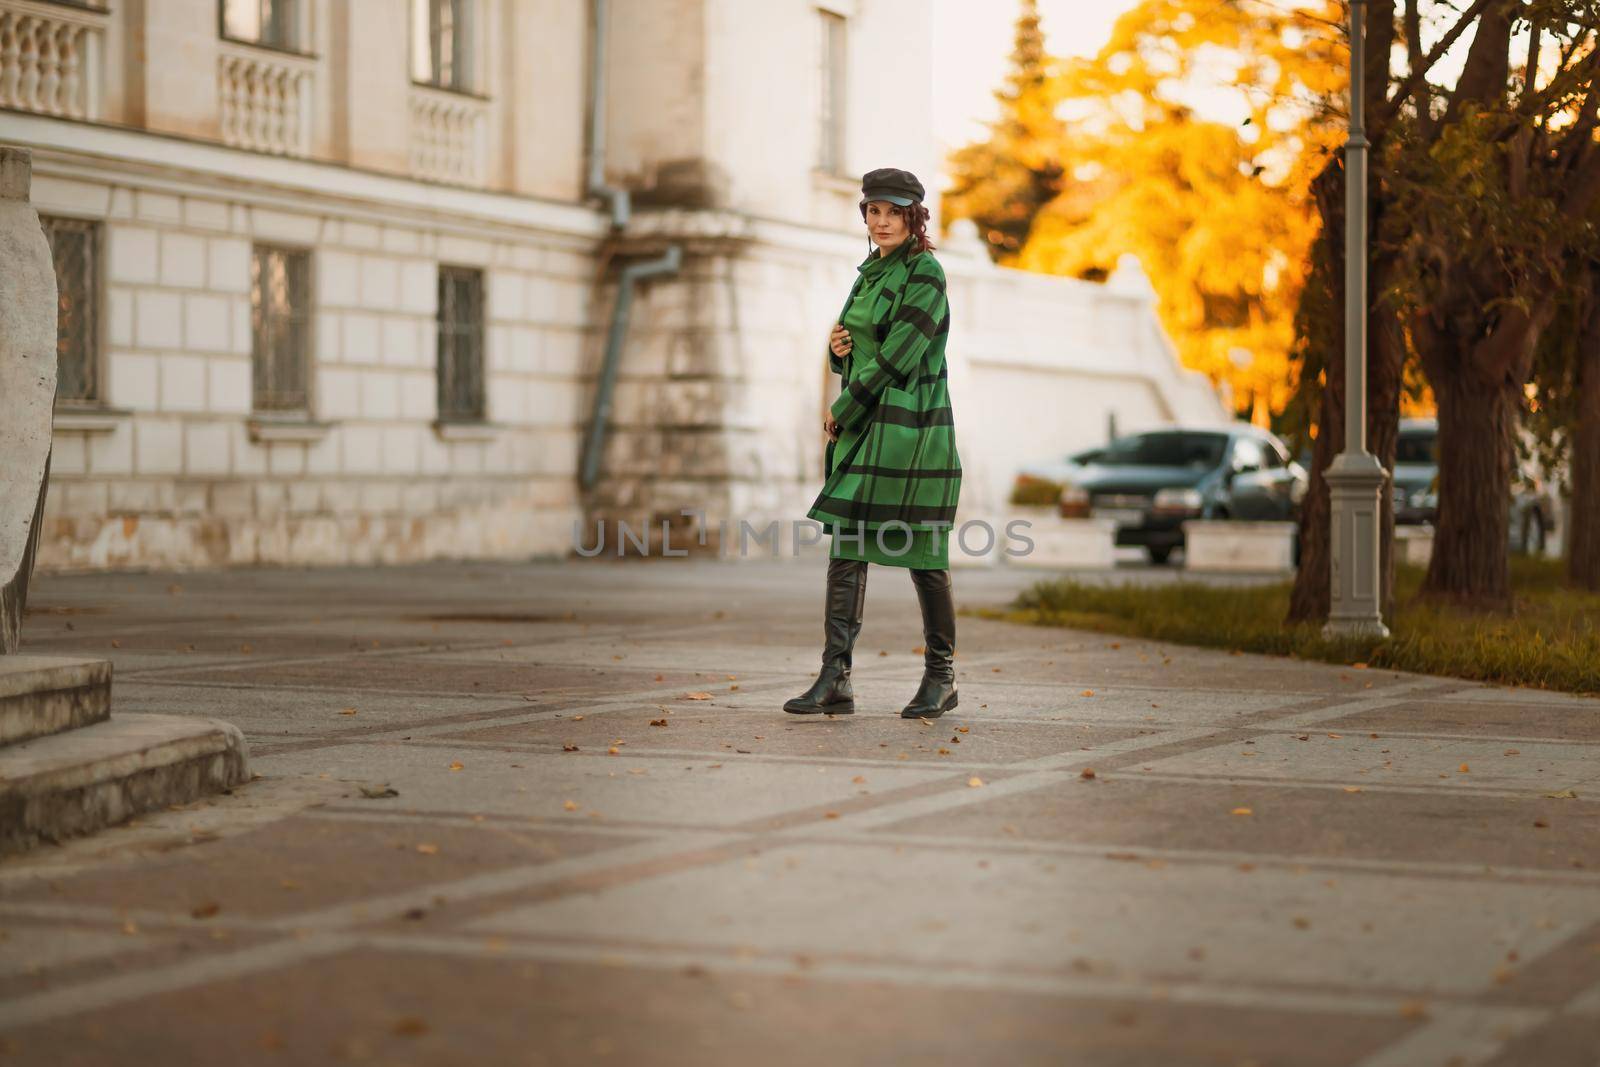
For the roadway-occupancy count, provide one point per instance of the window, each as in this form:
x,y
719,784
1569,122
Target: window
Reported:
x,y
830,93
441,43
1247,454
274,23
75,248
280,317
461,392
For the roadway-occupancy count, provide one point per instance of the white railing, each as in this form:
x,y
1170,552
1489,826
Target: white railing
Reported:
x,y
266,99
448,133
50,60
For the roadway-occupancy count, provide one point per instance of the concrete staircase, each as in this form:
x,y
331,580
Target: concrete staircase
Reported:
x,y
67,767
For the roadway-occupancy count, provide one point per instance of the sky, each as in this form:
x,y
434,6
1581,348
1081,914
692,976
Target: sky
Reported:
x,y
972,42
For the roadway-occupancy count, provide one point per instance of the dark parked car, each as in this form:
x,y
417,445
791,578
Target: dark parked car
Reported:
x,y
1151,483
1532,518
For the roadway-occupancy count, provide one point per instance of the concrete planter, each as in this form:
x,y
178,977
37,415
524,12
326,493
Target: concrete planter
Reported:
x,y
1076,544
1238,546
1413,545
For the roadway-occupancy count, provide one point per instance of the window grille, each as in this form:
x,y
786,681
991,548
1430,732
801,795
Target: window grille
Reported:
x,y
460,367
75,249
830,93
280,318
441,43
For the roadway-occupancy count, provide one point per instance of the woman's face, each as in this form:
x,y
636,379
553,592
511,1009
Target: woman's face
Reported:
x,y
886,224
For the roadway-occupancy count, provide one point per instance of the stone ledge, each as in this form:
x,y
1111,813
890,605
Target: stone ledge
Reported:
x,y
89,420
468,431
77,782
43,695
268,430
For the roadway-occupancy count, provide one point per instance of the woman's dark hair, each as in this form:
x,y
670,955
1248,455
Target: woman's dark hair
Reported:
x,y
916,216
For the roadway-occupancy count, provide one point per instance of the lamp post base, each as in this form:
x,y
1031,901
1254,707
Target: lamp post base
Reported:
x,y
1355,486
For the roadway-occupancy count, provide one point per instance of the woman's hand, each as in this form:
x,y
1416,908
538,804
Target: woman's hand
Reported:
x,y
830,426
839,341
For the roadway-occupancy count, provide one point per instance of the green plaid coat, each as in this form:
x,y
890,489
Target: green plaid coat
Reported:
x,y
902,463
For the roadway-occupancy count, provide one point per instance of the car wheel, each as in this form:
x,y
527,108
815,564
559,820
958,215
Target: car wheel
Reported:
x,y
1159,554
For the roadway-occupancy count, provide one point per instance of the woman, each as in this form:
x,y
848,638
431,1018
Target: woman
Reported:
x,y
893,475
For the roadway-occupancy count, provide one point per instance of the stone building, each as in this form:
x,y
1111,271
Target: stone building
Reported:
x,y
340,280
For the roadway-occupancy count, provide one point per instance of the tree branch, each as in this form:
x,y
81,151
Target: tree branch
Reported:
x,y
1391,107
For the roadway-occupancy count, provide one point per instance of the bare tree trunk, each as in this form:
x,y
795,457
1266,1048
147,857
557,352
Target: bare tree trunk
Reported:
x,y
1476,422
1583,520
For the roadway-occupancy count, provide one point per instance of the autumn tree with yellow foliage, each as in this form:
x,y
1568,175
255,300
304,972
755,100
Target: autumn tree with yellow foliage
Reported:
x,y
1216,209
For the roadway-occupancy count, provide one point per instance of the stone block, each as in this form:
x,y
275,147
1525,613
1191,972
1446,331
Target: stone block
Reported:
x,y
131,255
380,395
44,695
206,323
205,214
338,279
506,291
205,448
133,380
228,385
111,453
158,319
1413,545
119,316
401,451
157,207
228,264
183,260
400,342
338,393
380,283
183,383
361,342
158,445
76,782
273,226
1079,544
1238,546
419,287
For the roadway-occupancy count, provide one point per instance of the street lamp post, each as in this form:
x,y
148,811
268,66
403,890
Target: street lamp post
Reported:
x,y
1355,478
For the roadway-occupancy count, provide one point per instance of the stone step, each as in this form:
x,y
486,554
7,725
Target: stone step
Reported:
x,y
79,781
43,695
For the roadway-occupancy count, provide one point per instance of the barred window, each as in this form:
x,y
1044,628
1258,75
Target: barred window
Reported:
x,y
274,23
830,92
441,43
75,248
280,321
461,392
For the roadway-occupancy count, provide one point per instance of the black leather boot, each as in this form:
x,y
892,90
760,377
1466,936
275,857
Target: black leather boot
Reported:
x,y
831,693
937,693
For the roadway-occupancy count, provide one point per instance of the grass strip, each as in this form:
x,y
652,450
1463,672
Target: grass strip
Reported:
x,y
1550,640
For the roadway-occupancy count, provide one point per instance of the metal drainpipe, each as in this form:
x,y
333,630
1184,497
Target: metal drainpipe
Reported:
x,y
621,210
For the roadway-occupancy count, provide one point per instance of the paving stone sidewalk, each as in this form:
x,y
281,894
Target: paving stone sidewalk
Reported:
x,y
553,814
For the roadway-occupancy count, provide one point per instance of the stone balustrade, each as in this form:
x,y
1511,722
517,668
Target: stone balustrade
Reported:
x,y
50,59
448,135
265,99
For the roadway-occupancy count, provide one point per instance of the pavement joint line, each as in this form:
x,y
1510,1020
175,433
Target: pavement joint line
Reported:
x,y
1456,784
1393,696
1585,1003
924,976
252,661
1458,1035
1448,784
117,989
1024,846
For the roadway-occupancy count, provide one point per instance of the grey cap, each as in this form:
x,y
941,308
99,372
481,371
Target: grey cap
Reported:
x,y
891,184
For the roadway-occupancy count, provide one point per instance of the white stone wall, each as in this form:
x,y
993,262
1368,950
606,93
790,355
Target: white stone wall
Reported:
x,y
173,475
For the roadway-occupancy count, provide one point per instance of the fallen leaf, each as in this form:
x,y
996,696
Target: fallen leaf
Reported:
x,y
1241,811
1464,768
1087,693
1413,1009
410,1026
577,718
658,722
205,911
613,750
1352,789
974,782
348,711
378,792
1087,772
569,748
428,849
697,696
570,805
830,815
457,765
1541,824
859,779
